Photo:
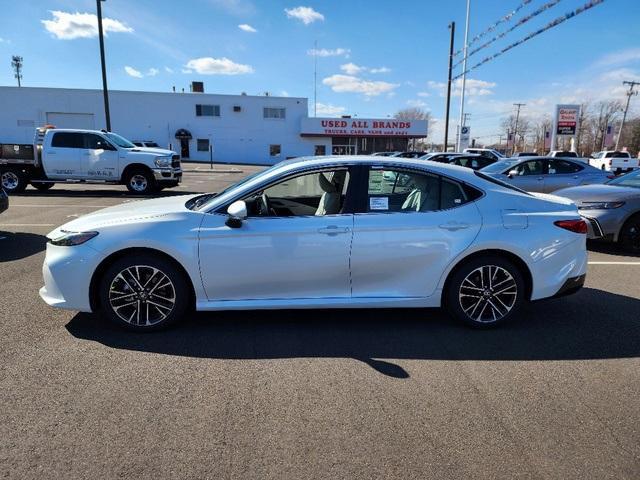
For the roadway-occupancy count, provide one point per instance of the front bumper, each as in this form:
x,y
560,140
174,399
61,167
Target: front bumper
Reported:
x,y
604,224
168,175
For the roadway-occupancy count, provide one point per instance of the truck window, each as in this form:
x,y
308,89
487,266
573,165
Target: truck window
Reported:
x,y
67,140
95,142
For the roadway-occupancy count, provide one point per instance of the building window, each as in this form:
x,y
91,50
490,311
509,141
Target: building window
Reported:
x,y
320,150
203,144
270,112
274,150
207,110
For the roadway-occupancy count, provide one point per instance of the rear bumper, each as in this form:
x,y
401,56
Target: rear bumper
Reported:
x,y
571,286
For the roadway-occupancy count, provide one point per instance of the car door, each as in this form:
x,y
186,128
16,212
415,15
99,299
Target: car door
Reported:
x,y
99,157
562,174
62,156
300,249
529,175
404,236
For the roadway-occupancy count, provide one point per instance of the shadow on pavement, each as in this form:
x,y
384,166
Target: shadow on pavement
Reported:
x,y
609,248
591,324
16,246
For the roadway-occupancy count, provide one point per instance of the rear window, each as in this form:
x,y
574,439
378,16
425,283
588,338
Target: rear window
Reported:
x,y
67,140
500,182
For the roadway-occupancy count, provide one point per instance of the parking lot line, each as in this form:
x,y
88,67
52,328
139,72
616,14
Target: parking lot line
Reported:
x,y
614,263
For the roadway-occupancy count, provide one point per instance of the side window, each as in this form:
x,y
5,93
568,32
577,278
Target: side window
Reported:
x,y
532,167
402,191
67,140
560,167
95,142
452,194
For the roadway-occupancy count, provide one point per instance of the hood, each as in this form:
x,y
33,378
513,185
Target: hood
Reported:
x,y
125,213
154,151
598,193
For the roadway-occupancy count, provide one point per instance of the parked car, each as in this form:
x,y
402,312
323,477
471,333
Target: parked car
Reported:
x,y
487,152
384,154
474,161
614,161
545,174
88,156
562,154
612,210
441,157
4,200
409,154
146,143
524,154
322,232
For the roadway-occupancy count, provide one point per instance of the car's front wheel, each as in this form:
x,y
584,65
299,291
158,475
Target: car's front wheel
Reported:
x,y
143,293
630,234
485,291
140,181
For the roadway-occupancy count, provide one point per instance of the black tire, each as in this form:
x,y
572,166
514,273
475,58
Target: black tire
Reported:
x,y
42,186
140,181
629,237
602,167
13,180
124,303
495,301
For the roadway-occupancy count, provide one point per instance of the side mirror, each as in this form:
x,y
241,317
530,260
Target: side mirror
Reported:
x,y
512,173
237,212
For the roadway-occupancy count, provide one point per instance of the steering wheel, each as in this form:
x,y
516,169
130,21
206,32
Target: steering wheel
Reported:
x,y
264,207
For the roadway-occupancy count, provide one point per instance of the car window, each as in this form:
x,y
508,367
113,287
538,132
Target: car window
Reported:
x,y
95,142
391,190
67,140
532,167
559,167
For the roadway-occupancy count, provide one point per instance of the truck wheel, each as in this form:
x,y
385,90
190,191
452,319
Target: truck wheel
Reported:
x,y
140,181
13,181
42,186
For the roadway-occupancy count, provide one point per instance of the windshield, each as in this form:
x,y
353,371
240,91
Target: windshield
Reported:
x,y
120,141
499,167
629,180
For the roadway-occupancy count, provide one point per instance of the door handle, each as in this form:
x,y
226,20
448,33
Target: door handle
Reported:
x,y
453,226
333,230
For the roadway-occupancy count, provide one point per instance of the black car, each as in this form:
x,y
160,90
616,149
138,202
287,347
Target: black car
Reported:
x,y
4,200
524,154
410,154
473,161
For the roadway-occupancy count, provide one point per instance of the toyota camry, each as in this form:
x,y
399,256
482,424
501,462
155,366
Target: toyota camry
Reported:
x,y
323,232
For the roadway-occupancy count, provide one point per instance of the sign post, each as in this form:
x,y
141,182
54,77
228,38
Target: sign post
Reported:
x,y
565,122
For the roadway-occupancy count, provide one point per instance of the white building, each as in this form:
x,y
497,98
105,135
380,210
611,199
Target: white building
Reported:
x,y
238,128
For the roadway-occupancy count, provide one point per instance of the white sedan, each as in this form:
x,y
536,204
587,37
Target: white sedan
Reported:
x,y
323,232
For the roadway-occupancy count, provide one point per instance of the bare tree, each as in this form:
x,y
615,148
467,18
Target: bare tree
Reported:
x,y
508,125
416,113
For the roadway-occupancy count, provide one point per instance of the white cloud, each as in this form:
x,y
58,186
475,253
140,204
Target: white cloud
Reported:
x,y
424,94
380,70
473,87
350,84
306,15
329,110
67,26
152,72
168,70
235,7
247,28
4,40
323,52
416,103
186,70
217,66
351,68
284,93
132,72
619,58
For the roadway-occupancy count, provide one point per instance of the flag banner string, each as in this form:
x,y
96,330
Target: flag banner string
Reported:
x,y
495,25
548,26
521,22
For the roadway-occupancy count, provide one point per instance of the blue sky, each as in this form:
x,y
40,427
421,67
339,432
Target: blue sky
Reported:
x,y
376,57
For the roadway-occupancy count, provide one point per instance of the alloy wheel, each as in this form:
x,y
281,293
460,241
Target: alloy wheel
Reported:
x,y
10,181
138,183
631,236
488,293
142,295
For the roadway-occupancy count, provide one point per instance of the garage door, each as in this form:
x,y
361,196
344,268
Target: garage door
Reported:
x,y
71,120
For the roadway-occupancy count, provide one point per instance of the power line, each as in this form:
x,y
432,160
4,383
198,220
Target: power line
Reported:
x,y
557,21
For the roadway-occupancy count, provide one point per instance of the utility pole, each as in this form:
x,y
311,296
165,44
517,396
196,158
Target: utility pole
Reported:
x,y
452,27
315,79
515,130
16,63
464,120
105,90
626,109
464,74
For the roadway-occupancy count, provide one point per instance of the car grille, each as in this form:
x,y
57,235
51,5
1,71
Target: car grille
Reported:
x,y
175,161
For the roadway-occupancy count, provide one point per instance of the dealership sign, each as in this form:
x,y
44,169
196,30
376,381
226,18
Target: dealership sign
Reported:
x,y
567,119
363,127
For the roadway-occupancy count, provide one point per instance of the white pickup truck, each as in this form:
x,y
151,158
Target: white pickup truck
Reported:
x,y
86,156
613,161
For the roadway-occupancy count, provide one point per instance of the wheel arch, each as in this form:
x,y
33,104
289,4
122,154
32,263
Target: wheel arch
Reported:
x,y
94,297
507,255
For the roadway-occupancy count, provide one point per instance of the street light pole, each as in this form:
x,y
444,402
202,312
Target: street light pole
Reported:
x,y
105,90
452,27
626,109
515,133
464,76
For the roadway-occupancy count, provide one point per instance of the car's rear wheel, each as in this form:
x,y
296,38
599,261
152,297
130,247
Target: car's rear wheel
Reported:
x,y
630,234
42,186
13,180
143,293
485,291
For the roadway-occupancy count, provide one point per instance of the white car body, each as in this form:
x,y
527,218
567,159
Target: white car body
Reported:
x,y
343,260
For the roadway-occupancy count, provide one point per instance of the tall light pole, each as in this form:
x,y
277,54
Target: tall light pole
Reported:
x,y
515,130
16,63
105,90
624,116
464,75
452,27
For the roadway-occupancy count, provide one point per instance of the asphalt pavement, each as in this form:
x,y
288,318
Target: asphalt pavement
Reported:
x,y
312,394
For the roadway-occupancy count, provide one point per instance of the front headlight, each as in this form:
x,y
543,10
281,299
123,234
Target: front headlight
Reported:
x,y
600,205
69,239
163,162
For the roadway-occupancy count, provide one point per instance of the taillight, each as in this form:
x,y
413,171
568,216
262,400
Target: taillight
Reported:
x,y
575,226
610,162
